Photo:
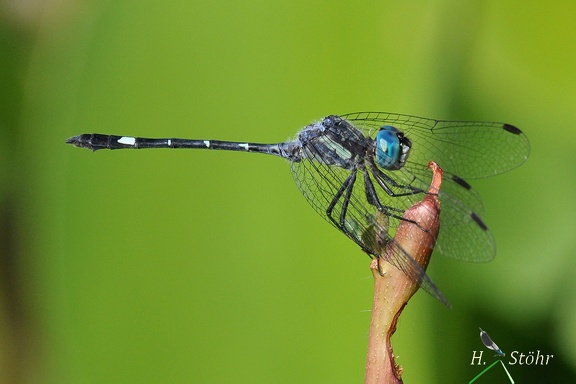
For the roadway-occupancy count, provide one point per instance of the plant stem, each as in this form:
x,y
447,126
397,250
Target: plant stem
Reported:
x,y
393,289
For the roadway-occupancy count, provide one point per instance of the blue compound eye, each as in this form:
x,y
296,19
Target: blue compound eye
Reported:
x,y
392,148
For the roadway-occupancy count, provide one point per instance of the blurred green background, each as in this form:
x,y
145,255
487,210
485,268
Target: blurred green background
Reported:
x,y
210,267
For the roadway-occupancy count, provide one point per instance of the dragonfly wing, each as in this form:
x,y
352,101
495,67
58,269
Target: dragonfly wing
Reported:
x,y
469,149
463,149
463,234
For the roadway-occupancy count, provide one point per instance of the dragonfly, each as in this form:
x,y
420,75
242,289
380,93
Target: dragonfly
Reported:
x,y
487,341
354,169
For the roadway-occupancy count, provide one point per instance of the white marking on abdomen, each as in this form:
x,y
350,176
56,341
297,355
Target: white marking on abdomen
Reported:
x,y
207,143
244,146
169,142
127,140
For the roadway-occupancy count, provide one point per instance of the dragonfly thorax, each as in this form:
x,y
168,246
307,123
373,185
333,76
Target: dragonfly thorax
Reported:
x,y
333,141
392,148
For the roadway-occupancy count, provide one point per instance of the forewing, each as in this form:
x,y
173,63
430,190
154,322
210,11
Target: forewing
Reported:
x,y
469,149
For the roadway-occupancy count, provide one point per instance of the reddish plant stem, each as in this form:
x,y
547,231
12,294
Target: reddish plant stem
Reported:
x,y
393,289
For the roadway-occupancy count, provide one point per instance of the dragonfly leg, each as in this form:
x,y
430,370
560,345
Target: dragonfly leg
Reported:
x,y
373,199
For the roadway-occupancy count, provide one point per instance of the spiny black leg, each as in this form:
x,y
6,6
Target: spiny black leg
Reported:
x,y
349,180
382,179
373,199
344,209
345,190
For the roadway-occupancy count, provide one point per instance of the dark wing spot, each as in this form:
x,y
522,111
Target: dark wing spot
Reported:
x,y
512,129
460,181
478,221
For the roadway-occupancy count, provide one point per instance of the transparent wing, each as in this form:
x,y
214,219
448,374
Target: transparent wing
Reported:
x,y
463,235
463,149
469,149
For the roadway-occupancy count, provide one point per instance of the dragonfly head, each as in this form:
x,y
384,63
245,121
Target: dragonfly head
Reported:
x,y
392,148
